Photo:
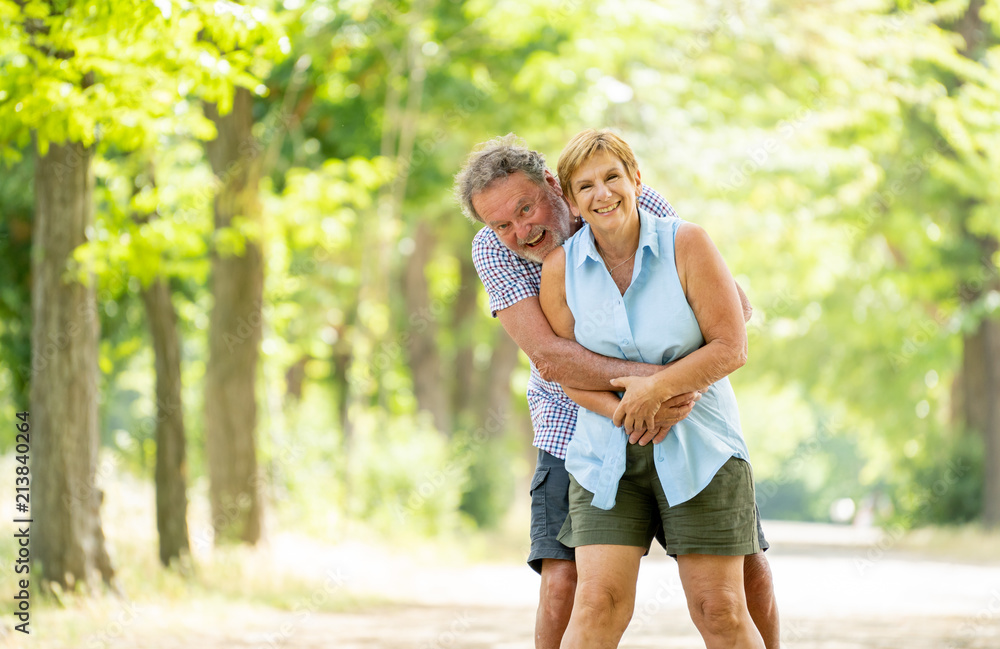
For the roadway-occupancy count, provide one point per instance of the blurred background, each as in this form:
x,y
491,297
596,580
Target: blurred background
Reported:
x,y
238,303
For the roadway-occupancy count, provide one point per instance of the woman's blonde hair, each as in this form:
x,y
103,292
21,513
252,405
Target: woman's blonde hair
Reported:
x,y
587,143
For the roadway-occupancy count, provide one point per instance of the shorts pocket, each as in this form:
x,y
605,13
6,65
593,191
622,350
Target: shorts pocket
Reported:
x,y
538,479
539,510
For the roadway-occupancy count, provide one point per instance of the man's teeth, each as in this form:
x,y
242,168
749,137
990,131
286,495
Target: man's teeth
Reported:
x,y
605,210
536,239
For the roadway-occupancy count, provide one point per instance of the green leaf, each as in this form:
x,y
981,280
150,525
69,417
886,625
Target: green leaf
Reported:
x,y
36,9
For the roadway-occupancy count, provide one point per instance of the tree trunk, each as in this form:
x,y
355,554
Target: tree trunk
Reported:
x,y
67,540
421,329
235,332
295,376
341,359
974,380
980,374
502,364
979,397
171,466
977,393
379,235
464,386
989,335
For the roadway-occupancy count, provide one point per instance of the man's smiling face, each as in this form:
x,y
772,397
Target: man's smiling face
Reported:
x,y
529,219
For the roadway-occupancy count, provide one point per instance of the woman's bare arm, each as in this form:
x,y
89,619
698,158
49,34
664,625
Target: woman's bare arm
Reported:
x,y
713,297
552,298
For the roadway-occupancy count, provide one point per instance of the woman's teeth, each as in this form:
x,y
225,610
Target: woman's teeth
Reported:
x,y
605,210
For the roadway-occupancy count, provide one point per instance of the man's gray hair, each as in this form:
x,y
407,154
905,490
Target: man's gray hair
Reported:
x,y
493,160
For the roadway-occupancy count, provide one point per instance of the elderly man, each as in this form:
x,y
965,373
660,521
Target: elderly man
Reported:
x,y
507,187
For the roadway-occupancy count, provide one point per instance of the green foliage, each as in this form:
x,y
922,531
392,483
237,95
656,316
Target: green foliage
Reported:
x,y
490,486
407,476
842,171
115,73
946,485
16,206
842,156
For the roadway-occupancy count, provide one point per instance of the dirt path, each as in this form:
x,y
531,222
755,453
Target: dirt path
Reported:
x,y
853,596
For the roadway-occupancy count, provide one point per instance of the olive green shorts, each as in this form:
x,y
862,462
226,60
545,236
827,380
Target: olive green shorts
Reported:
x,y
721,520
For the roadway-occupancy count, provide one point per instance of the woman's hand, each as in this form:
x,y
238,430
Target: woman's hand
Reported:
x,y
672,411
638,407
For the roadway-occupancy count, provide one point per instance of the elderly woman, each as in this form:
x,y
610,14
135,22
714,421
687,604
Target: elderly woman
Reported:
x,y
657,291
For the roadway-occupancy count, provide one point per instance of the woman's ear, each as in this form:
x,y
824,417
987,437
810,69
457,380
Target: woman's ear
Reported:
x,y
553,182
574,210
638,184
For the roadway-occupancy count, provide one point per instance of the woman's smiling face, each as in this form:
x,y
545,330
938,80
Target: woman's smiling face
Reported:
x,y
602,193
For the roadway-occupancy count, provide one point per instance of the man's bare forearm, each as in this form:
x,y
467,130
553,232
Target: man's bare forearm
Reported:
x,y
563,360
599,401
572,365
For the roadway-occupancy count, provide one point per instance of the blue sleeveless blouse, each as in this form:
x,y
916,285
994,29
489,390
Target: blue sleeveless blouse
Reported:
x,y
651,323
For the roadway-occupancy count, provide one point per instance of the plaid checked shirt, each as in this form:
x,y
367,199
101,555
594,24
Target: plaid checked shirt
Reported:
x,y
508,279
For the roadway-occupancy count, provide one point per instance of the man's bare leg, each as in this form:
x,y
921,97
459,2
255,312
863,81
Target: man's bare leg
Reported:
x,y
555,602
759,589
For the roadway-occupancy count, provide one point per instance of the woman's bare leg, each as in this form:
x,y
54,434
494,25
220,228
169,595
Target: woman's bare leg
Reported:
x,y
714,589
605,595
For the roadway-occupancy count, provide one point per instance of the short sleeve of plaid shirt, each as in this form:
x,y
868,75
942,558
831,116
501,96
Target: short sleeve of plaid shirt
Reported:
x,y
508,279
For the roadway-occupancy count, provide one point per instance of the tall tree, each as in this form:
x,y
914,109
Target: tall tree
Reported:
x,y
53,60
235,329
463,324
865,164
980,370
429,385
68,540
171,444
